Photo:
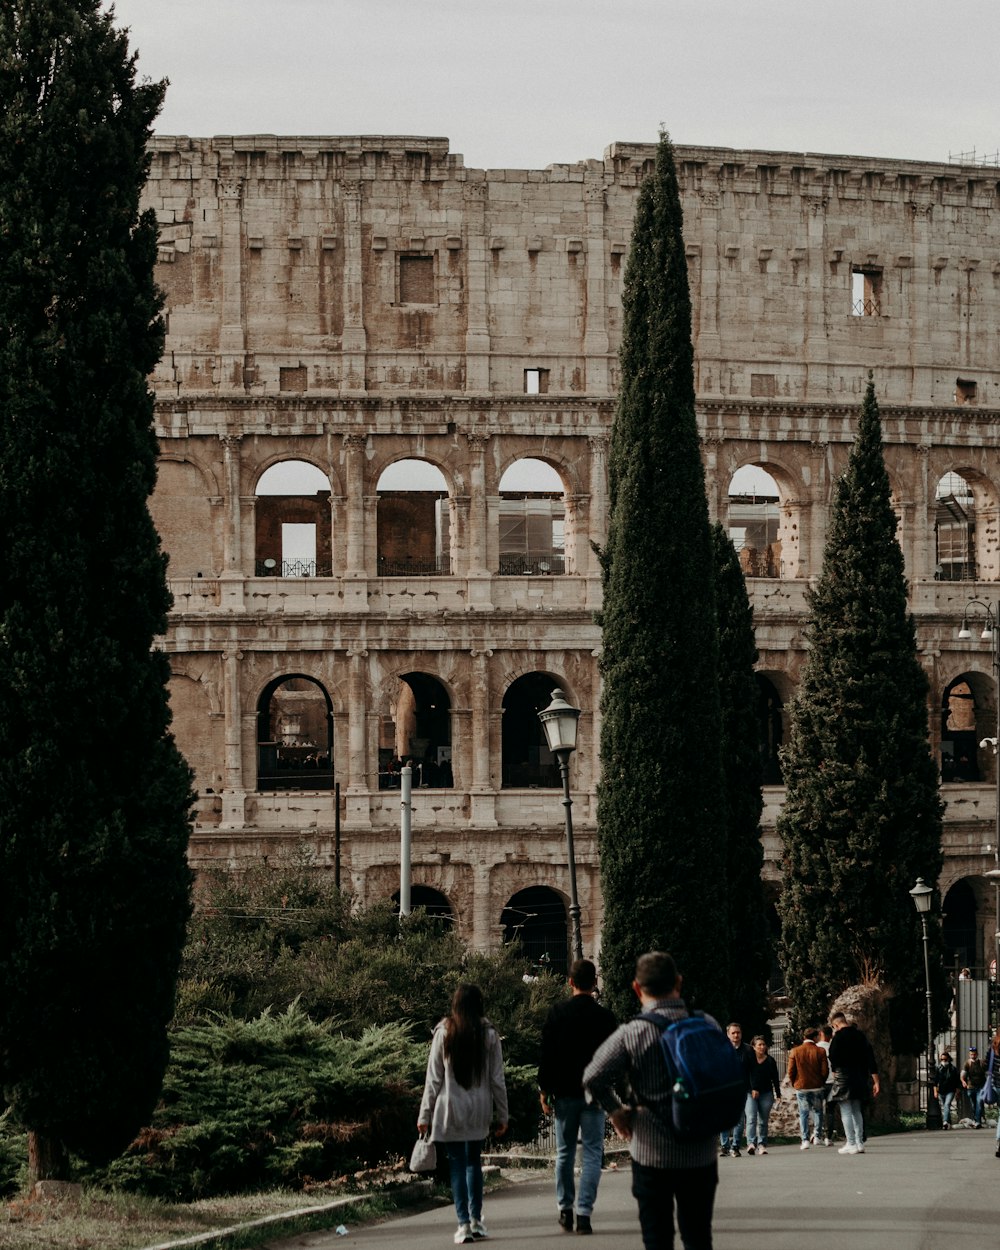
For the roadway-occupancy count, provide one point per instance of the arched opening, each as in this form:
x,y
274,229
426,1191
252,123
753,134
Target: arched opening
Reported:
x,y
294,735
414,520
755,521
433,902
293,522
955,530
535,918
770,723
960,927
532,517
968,718
417,729
526,759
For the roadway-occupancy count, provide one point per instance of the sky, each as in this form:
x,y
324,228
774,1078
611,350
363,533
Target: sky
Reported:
x,y
528,83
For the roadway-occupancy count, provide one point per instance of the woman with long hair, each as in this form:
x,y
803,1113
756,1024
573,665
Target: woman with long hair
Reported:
x,y
463,1087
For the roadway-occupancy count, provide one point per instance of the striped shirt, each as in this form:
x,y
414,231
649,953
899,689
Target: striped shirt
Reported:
x,y
632,1057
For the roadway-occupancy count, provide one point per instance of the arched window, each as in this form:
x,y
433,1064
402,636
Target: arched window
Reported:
x,y
526,758
535,918
293,521
755,520
414,520
960,926
770,728
968,718
419,730
294,736
955,530
532,517
434,903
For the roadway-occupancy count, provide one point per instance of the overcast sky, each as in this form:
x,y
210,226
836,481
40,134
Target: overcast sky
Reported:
x,y
527,83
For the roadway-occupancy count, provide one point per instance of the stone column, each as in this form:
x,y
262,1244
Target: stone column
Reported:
x,y
234,793
357,790
477,504
813,538
477,330
922,545
232,548
232,335
483,921
595,338
481,790
354,506
354,342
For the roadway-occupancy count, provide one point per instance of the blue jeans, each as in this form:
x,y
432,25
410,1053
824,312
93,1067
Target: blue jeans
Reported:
x,y
946,1100
465,1162
757,1112
810,1102
854,1125
730,1139
572,1116
978,1104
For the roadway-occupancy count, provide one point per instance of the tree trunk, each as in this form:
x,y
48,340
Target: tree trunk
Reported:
x,y
47,1158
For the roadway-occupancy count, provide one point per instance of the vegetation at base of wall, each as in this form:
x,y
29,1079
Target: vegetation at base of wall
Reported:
x,y
661,817
94,795
743,773
862,814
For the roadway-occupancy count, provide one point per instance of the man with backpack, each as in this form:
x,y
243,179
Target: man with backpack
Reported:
x,y
671,1165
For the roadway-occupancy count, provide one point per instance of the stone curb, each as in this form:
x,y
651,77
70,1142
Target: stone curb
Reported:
x,y
411,1189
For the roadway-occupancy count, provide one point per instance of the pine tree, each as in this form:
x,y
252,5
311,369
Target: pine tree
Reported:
x,y
743,774
661,820
94,796
862,816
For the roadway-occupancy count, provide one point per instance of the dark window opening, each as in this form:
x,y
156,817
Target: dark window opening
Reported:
x,y
866,292
968,719
535,918
418,732
965,391
770,729
294,736
526,758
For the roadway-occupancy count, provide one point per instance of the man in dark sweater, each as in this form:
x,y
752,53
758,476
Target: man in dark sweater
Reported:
x,y
573,1031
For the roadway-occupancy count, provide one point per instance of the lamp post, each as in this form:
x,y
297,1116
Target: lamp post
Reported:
x,y
922,896
559,721
991,634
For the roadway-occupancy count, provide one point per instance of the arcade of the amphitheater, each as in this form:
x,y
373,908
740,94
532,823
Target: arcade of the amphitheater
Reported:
x,y
355,305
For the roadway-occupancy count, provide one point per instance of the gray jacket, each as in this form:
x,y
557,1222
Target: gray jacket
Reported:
x,y
453,1112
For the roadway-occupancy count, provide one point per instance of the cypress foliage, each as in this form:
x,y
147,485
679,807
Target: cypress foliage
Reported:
x,y
743,775
862,817
661,820
94,796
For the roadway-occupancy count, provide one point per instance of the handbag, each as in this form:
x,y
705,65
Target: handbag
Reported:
x,y
840,1090
989,1090
423,1157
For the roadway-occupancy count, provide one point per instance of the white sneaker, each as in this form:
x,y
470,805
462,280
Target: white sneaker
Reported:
x,y
762,1150
804,1146
827,1141
851,1150
463,1235
478,1230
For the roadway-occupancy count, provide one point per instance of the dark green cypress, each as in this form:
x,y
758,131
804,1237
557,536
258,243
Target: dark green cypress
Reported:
x,y
862,816
750,962
661,820
94,795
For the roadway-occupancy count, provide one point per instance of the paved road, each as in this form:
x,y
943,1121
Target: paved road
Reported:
x,y
913,1191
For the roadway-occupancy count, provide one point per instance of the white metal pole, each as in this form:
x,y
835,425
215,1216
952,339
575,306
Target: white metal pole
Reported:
x,y
405,838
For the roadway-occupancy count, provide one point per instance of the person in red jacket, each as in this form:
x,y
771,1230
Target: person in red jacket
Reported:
x,y
807,1069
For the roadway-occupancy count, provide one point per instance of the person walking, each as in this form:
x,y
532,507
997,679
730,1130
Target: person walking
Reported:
x,y
765,1087
992,1080
946,1084
729,1141
973,1076
807,1069
666,1172
463,1087
855,1076
570,1035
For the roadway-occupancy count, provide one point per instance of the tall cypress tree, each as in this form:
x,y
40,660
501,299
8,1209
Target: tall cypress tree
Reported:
x,y
862,816
744,775
661,820
94,796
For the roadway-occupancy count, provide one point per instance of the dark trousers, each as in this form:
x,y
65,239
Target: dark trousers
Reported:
x,y
693,1189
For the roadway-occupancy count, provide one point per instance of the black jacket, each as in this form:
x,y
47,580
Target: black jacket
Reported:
x,y
573,1031
852,1056
946,1079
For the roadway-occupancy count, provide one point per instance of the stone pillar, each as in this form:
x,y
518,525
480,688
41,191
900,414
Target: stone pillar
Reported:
x,y
813,539
357,790
354,342
234,792
484,922
477,330
232,336
476,538
481,790
921,547
595,338
703,268
232,548
354,488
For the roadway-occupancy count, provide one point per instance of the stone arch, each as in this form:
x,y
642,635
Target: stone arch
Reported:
x,y
415,525
418,728
184,512
434,902
525,759
294,734
968,718
536,918
965,526
294,535
533,519
764,519
960,926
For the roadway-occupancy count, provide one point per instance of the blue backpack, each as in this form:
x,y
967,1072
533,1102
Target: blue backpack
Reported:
x,y
709,1088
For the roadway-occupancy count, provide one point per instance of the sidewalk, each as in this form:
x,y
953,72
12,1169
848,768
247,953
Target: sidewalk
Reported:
x,y
909,1191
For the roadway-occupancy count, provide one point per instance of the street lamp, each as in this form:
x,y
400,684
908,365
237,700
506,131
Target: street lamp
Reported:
x,y
922,896
991,634
559,721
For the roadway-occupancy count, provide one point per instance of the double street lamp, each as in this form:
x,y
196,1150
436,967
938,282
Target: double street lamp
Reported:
x,y
923,896
559,721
